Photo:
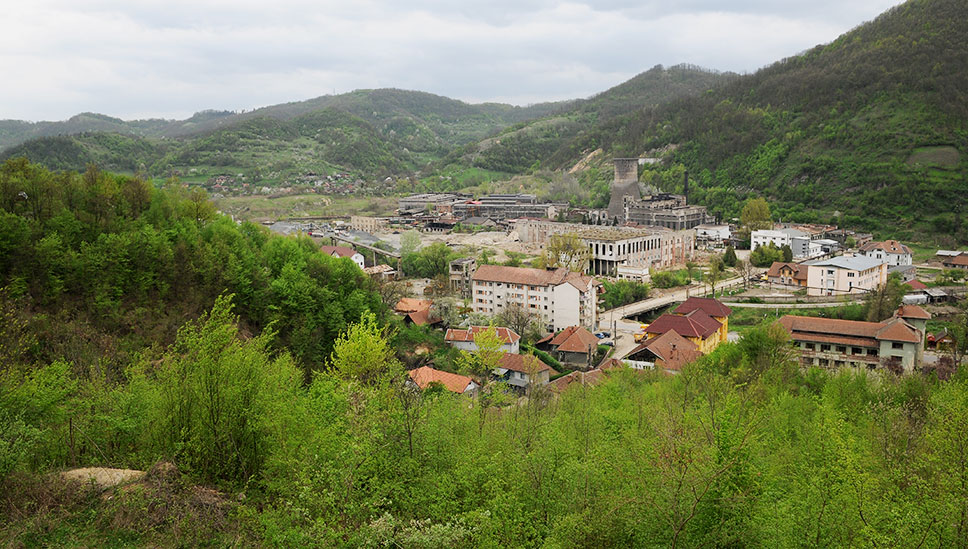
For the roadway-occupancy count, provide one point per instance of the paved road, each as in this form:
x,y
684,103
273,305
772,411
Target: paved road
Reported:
x,y
792,305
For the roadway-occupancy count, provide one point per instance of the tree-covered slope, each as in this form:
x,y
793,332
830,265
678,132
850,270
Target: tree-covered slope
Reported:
x,y
872,126
518,148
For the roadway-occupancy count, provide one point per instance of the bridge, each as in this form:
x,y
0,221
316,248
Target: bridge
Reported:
x,y
651,304
374,249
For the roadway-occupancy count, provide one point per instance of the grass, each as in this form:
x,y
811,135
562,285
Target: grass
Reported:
x,y
942,156
744,318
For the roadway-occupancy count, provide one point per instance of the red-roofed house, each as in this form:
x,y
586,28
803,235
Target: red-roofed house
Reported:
x,y
959,261
589,378
696,326
343,251
416,311
710,306
464,339
521,370
572,345
425,376
669,351
891,251
916,284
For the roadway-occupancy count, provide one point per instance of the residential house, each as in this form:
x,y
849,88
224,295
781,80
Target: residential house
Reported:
x,y
827,342
464,339
916,285
669,352
559,298
416,311
845,275
343,251
959,261
425,376
891,252
941,341
787,274
697,327
519,371
573,345
906,272
712,307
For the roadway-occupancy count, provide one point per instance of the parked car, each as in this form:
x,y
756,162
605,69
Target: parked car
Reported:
x,y
603,335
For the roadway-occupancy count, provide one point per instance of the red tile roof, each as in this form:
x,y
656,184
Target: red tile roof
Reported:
x,y
958,260
916,284
674,350
695,324
507,335
518,363
890,246
578,341
591,377
799,271
422,317
712,307
425,375
848,332
913,311
341,251
409,305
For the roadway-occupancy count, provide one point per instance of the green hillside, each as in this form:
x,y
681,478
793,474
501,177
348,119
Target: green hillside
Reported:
x,y
517,149
372,132
869,130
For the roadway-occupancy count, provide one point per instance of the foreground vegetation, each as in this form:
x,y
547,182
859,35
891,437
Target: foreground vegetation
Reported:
x,y
260,385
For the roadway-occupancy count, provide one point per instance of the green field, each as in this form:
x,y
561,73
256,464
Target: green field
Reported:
x,y
263,208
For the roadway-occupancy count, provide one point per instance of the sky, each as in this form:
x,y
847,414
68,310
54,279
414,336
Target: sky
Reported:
x,y
171,58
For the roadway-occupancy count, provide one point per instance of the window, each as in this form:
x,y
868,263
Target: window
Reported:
x,y
825,347
850,275
871,352
897,345
841,349
856,350
808,346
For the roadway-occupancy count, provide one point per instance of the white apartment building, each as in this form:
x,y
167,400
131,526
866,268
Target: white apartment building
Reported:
x,y
558,298
779,238
891,252
845,275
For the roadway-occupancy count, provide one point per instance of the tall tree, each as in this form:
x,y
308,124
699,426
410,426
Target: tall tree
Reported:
x,y
756,215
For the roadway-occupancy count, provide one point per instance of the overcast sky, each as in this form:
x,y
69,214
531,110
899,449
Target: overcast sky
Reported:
x,y
170,58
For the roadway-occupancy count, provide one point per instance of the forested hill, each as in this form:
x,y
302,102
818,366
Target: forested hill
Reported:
x,y
873,126
519,147
383,131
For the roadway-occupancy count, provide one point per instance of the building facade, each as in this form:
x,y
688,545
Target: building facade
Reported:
x,y
558,298
845,275
891,252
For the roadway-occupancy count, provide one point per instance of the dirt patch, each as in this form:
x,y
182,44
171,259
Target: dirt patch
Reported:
x,y
103,477
942,156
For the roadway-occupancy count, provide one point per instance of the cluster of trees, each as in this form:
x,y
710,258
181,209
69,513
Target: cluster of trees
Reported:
x,y
623,292
106,262
764,256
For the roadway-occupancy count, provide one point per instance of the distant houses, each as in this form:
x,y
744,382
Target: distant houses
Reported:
x,y
425,376
520,371
843,275
573,345
891,252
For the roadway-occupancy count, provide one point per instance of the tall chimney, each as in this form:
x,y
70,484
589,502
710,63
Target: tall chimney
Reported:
x,y
685,187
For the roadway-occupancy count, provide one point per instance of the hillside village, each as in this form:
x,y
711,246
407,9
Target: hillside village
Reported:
x,y
545,269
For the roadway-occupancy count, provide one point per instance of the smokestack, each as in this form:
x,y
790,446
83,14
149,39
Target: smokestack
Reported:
x,y
685,187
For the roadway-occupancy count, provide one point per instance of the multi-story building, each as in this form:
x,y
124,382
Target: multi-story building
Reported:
x,y
845,275
825,342
891,252
461,271
416,203
779,238
677,218
369,224
618,251
712,235
558,298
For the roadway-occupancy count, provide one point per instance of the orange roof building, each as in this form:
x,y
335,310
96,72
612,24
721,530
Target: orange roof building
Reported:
x,y
827,342
571,345
669,351
464,339
519,371
425,376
